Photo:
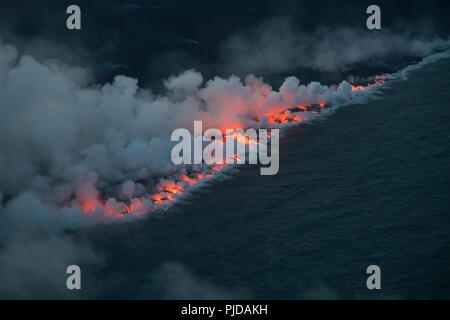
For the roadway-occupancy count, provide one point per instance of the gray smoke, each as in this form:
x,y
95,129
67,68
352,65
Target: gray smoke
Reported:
x,y
67,143
276,46
178,282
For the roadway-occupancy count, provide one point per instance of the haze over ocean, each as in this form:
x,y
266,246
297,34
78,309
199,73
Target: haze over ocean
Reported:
x,y
87,177
369,184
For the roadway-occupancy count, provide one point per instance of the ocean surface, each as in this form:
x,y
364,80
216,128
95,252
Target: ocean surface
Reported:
x,y
368,185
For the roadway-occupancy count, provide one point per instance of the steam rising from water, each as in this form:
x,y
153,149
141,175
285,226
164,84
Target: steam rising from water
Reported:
x,y
276,46
74,153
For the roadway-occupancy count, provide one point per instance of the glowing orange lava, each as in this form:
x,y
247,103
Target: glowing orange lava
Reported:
x,y
354,88
166,192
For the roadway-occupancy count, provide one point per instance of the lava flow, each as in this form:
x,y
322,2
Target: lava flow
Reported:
x,y
167,191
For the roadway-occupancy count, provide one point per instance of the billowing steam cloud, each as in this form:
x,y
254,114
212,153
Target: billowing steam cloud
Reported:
x,y
68,148
73,153
275,46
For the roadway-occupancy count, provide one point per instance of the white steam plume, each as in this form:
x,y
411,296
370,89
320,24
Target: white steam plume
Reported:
x,y
68,147
275,46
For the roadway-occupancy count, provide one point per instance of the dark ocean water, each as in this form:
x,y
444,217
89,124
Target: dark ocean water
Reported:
x,y
369,185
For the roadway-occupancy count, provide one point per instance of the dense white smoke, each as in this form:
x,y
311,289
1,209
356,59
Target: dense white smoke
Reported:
x,y
64,141
69,147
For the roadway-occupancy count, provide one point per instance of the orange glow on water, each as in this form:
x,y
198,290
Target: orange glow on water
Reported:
x,y
174,189
166,192
191,181
218,166
283,117
137,207
90,205
354,88
378,81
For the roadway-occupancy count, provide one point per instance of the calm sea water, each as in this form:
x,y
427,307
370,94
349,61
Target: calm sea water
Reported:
x,y
369,185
